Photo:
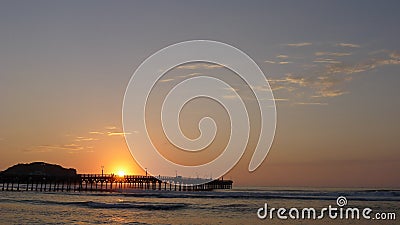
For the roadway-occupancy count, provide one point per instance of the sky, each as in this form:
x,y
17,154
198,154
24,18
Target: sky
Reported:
x,y
333,68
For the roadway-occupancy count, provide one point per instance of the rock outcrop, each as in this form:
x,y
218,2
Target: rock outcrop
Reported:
x,y
39,169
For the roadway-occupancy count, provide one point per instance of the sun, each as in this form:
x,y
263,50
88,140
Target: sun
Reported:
x,y
121,173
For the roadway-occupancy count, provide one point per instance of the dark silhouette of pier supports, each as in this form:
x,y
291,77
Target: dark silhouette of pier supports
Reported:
x,y
103,182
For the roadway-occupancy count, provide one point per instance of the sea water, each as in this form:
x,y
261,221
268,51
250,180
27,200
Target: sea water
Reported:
x,y
236,206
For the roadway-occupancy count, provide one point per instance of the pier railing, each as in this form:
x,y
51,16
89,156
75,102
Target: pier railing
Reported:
x,y
107,182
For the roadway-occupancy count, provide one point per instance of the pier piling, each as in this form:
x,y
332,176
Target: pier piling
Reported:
x,y
104,182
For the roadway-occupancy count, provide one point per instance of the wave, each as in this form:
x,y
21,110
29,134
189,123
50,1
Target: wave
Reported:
x,y
106,205
144,206
233,205
362,195
355,195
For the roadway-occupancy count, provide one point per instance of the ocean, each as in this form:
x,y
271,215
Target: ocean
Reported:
x,y
235,206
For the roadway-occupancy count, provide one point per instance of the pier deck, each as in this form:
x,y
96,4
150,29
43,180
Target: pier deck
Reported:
x,y
105,182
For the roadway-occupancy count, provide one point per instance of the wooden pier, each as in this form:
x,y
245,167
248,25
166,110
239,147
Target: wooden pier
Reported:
x,y
105,182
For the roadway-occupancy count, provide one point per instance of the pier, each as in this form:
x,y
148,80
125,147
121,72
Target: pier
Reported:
x,y
107,182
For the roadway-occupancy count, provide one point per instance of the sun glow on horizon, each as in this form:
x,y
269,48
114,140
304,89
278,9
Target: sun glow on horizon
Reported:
x,y
121,173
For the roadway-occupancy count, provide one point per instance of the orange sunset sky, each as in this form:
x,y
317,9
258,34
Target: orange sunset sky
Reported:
x,y
333,69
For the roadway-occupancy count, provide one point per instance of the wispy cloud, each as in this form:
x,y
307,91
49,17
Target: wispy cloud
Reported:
x,y
348,45
311,103
81,143
95,132
326,81
180,77
189,75
166,80
117,133
230,96
282,56
247,92
280,84
322,60
108,131
277,62
69,148
299,44
85,139
193,66
231,89
321,85
393,58
260,88
329,93
333,53
281,99
394,55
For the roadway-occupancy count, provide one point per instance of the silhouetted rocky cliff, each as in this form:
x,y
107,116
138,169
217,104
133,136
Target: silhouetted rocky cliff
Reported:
x,y
39,168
